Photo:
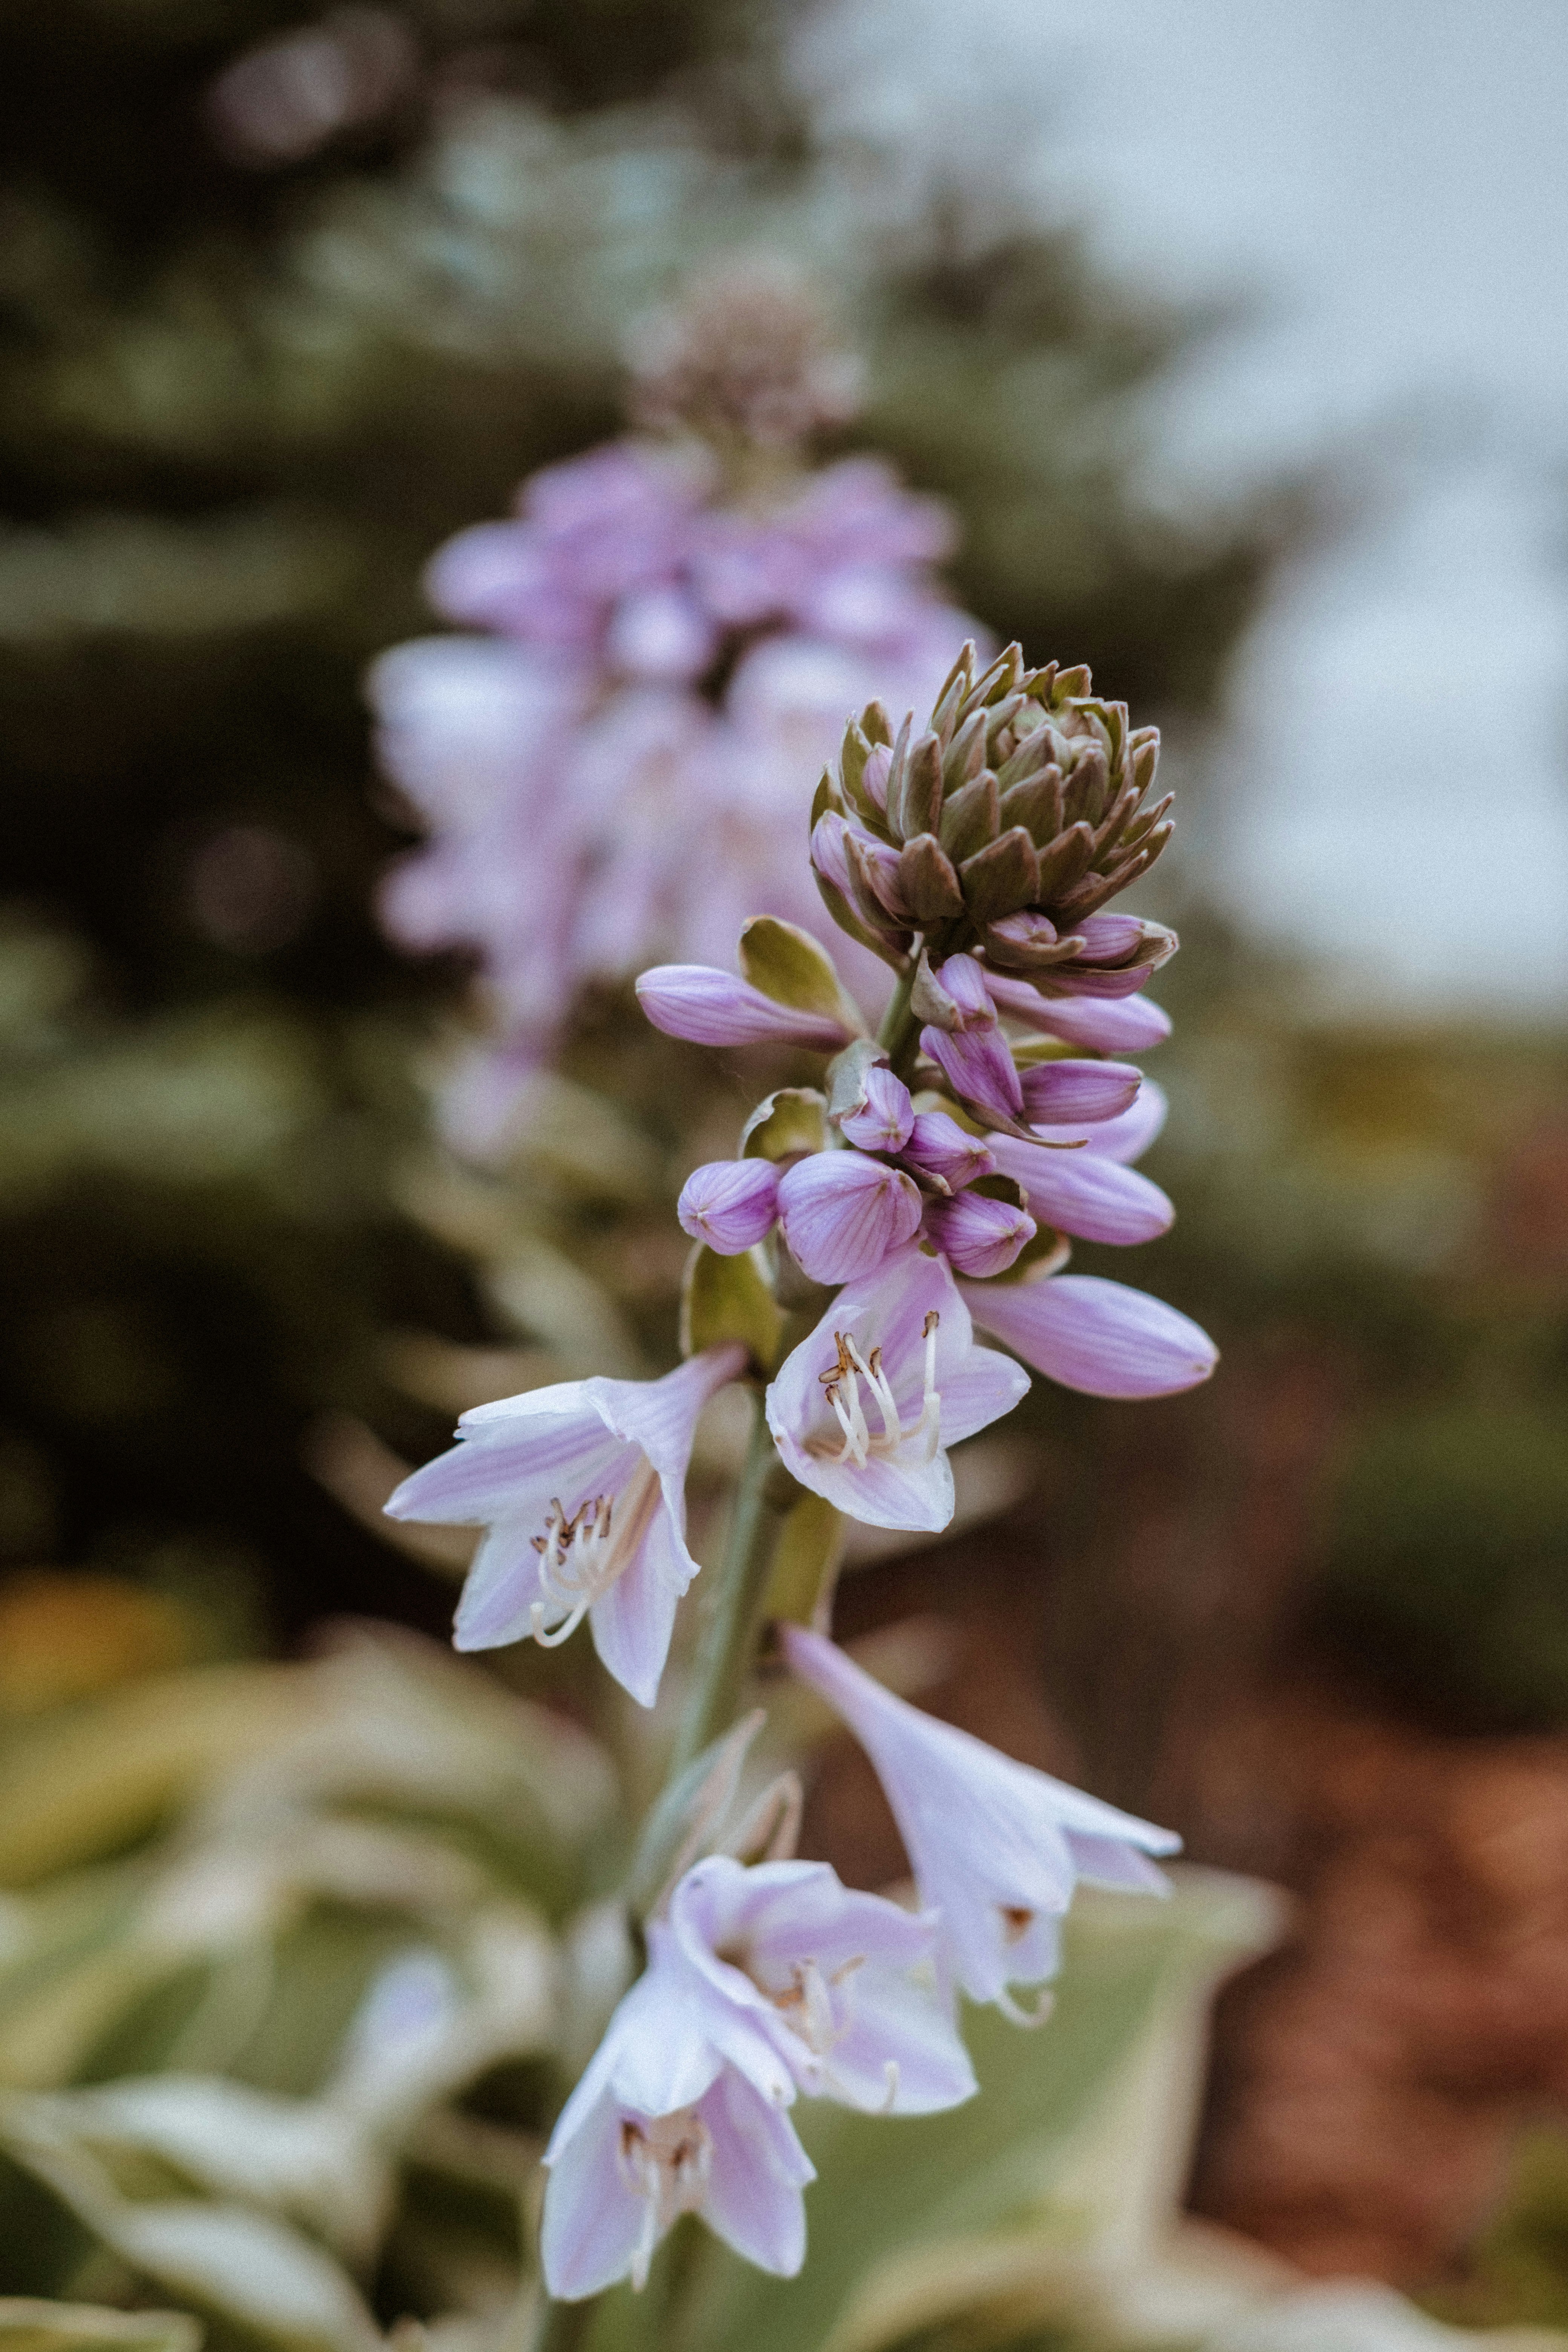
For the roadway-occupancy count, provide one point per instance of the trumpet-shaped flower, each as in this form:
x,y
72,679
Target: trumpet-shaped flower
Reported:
x,y
842,1984
580,1488
681,2109
864,1410
1102,1338
996,1847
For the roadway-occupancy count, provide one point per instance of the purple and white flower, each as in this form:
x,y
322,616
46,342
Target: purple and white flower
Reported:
x,y
996,1847
682,2109
581,1490
1129,1024
864,1410
842,1984
709,1007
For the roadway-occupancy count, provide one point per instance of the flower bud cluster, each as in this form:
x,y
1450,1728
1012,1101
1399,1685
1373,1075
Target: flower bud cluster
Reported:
x,y
1004,826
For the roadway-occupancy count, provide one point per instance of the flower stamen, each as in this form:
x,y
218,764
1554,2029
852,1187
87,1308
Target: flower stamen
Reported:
x,y
841,1391
664,2160
582,1552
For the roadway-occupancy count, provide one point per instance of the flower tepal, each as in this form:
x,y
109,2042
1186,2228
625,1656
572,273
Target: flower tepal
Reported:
x,y
580,1488
864,1410
996,1847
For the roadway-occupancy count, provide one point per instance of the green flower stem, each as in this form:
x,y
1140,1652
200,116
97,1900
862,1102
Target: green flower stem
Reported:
x,y
734,1622
899,1029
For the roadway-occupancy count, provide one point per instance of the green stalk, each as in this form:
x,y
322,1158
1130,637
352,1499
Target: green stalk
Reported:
x,y
898,1032
733,1620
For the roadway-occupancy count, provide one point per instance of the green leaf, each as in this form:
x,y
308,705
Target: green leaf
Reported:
x,y
787,965
27,2325
727,1298
793,1119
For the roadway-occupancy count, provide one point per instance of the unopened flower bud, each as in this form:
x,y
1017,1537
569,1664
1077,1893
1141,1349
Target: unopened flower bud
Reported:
x,y
1063,1094
883,1119
709,1007
938,1147
973,1056
729,1203
843,1213
1099,1337
978,1236
1130,1024
1085,1192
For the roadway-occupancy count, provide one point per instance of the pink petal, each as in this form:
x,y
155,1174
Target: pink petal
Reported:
x,y
977,1235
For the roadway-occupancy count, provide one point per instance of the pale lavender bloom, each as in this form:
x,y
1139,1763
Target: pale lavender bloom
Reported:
x,y
843,1213
1101,1338
1071,1093
864,1410
717,1008
1129,1025
996,1847
729,1203
977,1235
883,1119
681,2109
1085,1192
629,814
581,1489
973,1056
938,1147
841,1983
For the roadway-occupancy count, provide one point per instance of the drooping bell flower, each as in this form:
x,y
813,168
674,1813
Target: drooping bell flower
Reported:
x,y
842,1983
580,1488
682,2109
864,1410
996,1847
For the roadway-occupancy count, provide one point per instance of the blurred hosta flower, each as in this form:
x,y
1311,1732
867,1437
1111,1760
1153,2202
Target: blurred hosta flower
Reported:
x,y
996,1847
581,1489
620,769
864,1410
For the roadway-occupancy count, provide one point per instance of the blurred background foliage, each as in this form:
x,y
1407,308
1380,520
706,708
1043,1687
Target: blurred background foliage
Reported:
x,y
284,300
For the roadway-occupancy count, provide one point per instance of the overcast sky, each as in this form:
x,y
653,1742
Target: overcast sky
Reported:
x,y
1385,182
